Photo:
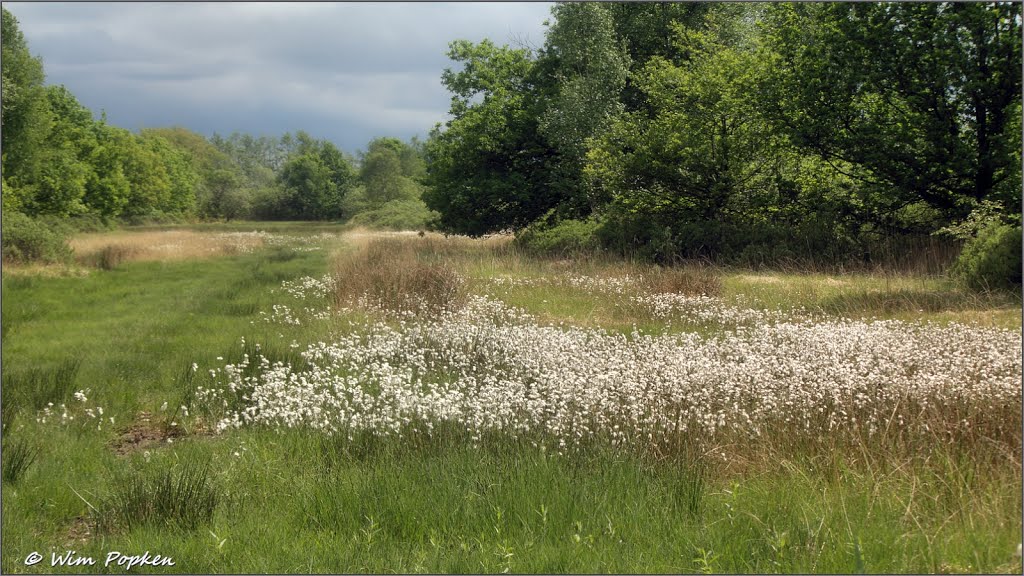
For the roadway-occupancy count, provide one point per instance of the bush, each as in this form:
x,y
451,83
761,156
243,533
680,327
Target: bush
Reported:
x,y
992,259
155,218
90,223
397,215
26,240
564,238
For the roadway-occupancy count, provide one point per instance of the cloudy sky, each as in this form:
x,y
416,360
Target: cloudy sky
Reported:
x,y
346,72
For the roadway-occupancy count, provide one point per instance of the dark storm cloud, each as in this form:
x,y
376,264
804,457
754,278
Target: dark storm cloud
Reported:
x,y
347,72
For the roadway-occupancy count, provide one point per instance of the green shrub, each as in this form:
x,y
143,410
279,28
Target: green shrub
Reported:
x,y
992,259
397,215
27,240
90,223
564,238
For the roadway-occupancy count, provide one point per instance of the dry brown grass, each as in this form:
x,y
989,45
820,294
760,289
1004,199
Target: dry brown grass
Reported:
x,y
692,280
112,248
399,274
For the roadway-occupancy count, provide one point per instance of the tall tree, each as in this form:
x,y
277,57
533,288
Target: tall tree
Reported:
x,y
920,96
315,180
24,116
489,167
702,153
589,67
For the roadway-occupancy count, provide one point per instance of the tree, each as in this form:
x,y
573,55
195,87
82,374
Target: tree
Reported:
x,y
222,189
108,189
24,116
702,153
589,68
382,173
315,180
919,96
488,169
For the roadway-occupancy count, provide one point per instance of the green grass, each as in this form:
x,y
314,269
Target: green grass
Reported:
x,y
889,296
255,500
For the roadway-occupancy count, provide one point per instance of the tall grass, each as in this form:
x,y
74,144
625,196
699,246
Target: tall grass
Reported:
x,y
399,276
18,456
259,500
38,386
183,496
111,256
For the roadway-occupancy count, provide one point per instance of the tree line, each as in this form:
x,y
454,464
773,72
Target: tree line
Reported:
x,y
60,162
753,131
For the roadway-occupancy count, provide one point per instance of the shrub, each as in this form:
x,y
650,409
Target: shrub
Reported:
x,y
564,238
397,215
27,240
992,259
90,223
154,218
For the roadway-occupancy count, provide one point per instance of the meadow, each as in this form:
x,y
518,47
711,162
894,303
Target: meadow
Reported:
x,y
297,398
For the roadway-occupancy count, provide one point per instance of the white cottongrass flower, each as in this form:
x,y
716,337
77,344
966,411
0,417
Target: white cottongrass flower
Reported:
x,y
488,367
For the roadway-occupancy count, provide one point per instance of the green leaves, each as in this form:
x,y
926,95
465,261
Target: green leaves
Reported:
x,y
315,179
488,167
917,94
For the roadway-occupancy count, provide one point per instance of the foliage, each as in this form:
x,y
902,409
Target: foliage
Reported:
x,y
314,180
589,67
25,115
488,168
222,188
410,214
563,238
31,240
917,95
992,259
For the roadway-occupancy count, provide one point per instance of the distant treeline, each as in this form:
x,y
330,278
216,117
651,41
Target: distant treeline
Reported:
x,y
59,161
755,132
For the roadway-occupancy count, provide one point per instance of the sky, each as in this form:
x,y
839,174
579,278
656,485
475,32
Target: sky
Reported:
x,y
346,72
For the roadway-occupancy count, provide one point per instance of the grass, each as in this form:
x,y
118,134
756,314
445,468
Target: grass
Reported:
x,y
39,386
398,276
18,456
181,497
293,500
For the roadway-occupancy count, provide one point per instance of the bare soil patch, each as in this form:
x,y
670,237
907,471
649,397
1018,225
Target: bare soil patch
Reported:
x,y
145,433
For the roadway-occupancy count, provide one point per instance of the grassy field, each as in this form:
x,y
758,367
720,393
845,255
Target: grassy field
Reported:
x,y
304,400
